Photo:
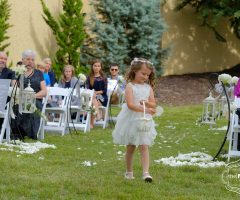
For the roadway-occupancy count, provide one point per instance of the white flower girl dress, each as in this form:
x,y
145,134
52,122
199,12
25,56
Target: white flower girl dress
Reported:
x,y
127,126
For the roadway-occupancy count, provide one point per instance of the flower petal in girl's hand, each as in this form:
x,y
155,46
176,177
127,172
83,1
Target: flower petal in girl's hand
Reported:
x,y
159,111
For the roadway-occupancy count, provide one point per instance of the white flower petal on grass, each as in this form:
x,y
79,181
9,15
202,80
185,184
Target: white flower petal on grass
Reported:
x,y
100,153
119,152
88,163
223,128
41,158
101,141
79,148
171,127
191,159
27,148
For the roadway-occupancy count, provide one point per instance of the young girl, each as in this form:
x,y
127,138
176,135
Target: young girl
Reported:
x,y
97,81
140,80
68,80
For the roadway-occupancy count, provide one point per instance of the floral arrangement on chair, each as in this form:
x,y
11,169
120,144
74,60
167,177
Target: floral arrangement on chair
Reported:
x,y
82,78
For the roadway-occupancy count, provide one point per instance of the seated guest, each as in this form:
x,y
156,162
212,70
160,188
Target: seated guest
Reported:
x,y
120,87
97,81
27,124
5,73
41,67
68,79
48,70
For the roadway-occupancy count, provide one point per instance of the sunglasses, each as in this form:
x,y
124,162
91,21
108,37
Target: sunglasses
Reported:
x,y
114,69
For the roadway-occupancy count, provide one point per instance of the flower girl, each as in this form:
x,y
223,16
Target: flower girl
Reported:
x,y
135,126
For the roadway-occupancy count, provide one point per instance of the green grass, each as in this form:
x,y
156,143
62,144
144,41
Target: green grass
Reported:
x,y
61,174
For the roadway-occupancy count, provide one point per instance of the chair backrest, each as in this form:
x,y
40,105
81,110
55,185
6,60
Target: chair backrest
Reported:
x,y
237,102
60,94
112,85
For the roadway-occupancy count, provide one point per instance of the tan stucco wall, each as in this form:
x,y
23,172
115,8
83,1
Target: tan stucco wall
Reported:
x,y
30,31
193,48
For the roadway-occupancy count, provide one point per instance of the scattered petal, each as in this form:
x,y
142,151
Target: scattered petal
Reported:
x,y
191,159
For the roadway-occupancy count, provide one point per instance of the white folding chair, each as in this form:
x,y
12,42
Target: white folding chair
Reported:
x,y
59,124
83,110
44,103
105,111
5,126
234,132
113,87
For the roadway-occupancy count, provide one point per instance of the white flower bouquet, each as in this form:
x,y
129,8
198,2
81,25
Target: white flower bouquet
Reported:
x,y
19,69
93,110
225,79
82,77
234,80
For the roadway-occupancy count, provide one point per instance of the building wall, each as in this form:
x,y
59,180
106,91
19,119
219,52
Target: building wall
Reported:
x,y
30,31
193,48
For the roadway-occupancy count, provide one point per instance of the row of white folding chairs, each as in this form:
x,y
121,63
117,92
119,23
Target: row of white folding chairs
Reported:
x,y
234,132
65,109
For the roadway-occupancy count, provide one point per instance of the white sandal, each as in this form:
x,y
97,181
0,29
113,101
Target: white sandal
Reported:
x,y
147,177
129,175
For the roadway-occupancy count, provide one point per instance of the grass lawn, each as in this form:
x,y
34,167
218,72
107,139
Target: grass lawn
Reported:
x,y
59,173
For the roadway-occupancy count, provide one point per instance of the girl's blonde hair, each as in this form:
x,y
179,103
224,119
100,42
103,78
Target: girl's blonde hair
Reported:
x,y
63,78
91,75
136,65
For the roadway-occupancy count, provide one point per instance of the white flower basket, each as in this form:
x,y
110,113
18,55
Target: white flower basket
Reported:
x,y
145,122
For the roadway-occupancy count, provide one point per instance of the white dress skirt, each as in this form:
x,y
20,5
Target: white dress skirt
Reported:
x,y
126,130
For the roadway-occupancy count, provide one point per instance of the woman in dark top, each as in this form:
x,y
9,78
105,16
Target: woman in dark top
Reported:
x,y
97,81
27,124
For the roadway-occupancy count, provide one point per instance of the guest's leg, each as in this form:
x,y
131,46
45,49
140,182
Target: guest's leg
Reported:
x,y
96,105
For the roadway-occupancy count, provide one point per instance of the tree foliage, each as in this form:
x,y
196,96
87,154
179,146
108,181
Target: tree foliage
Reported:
x,y
4,25
68,30
125,29
212,11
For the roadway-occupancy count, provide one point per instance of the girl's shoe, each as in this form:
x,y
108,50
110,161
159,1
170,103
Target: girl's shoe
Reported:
x,y
147,177
129,175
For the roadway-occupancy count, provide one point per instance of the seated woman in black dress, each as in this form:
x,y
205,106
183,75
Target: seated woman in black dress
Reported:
x,y
97,81
28,124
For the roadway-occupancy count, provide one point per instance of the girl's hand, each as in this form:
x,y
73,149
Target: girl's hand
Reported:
x,y
151,111
141,102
